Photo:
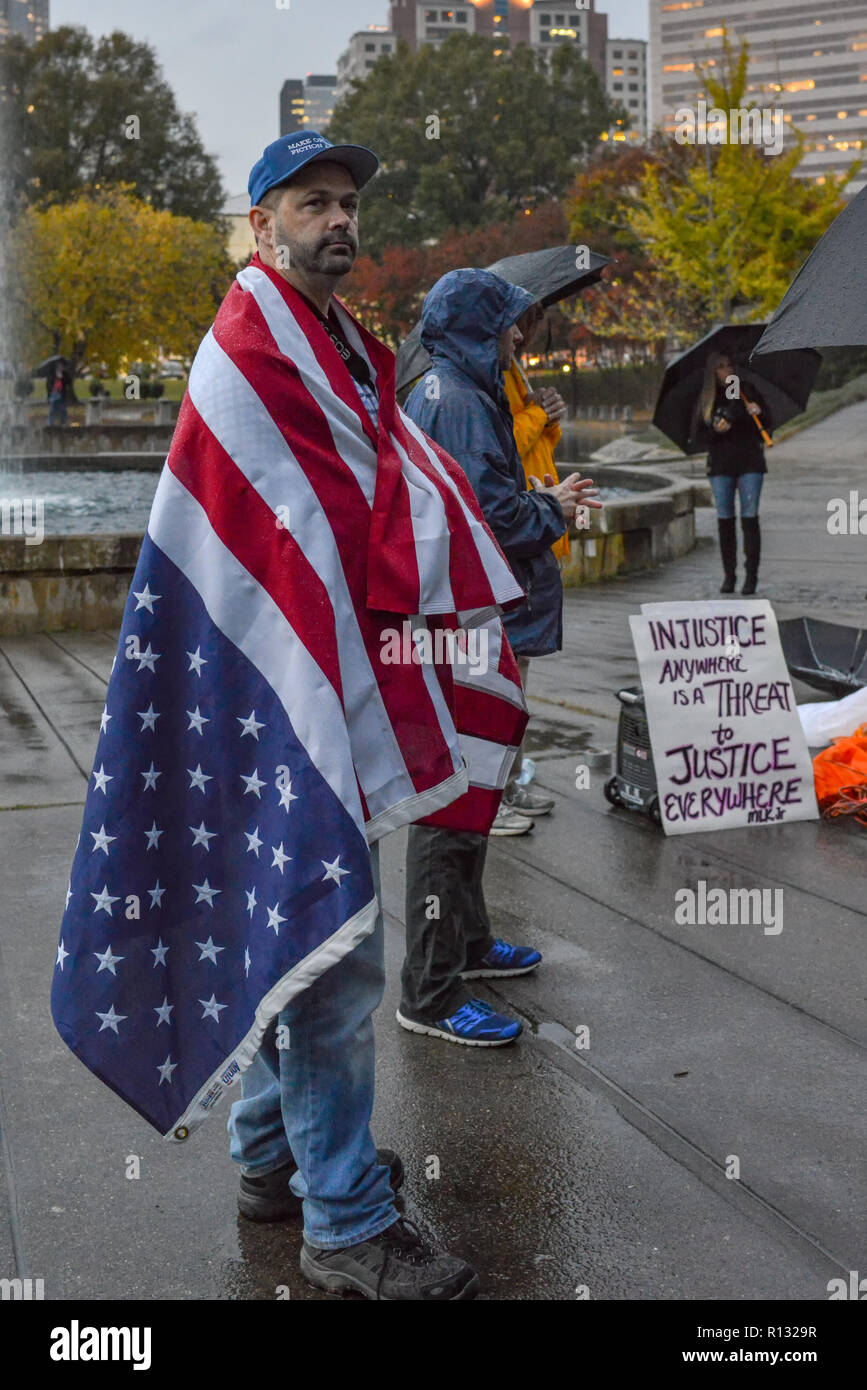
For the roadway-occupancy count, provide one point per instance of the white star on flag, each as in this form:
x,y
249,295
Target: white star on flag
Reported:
x,y
202,836
107,961
101,840
146,599
147,658
163,1011
156,895
150,777
247,961
103,721
148,717
333,870
212,1008
206,892
198,778
209,950
279,857
153,836
254,843
253,783
250,725
166,1070
104,901
101,777
274,919
159,952
286,795
110,1020
197,719
251,900
61,954
196,661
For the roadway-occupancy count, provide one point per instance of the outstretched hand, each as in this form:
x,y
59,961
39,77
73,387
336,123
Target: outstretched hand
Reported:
x,y
574,492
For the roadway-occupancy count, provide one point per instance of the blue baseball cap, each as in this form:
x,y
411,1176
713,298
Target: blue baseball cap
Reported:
x,y
288,155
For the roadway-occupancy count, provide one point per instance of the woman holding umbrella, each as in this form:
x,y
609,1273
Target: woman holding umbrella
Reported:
x,y
730,426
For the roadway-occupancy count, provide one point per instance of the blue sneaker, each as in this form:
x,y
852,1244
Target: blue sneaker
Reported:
x,y
475,1024
502,961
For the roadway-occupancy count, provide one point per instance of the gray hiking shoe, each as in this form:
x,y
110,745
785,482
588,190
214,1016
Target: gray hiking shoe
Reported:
x,y
396,1265
525,802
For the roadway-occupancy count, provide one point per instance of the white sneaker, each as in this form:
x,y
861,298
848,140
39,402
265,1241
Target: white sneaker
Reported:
x,y
509,822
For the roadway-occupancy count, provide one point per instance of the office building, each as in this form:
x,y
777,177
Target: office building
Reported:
x,y
540,23
626,83
307,102
364,49
29,18
807,58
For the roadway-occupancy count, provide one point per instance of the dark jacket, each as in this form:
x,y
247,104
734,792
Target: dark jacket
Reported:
x,y
740,449
461,403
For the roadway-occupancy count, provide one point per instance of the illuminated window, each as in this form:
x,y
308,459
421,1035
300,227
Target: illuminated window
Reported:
x,y
806,86
841,115
678,67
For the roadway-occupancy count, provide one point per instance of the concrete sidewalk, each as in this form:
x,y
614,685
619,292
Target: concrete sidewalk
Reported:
x,y
559,1168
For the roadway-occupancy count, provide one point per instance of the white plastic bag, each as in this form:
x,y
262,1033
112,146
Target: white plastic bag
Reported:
x,y
832,719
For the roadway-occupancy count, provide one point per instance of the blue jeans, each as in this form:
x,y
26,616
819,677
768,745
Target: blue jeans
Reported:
x,y
749,488
58,413
312,1101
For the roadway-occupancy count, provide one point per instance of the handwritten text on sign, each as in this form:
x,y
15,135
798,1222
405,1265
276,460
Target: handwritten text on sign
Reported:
x,y
728,748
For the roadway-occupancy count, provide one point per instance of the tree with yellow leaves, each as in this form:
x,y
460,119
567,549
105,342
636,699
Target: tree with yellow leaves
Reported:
x,y
730,230
110,279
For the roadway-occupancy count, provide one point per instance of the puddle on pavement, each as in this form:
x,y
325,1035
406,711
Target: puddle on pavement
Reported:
x,y
548,735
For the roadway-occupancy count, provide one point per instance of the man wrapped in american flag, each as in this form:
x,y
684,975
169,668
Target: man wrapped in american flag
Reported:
x,y
258,739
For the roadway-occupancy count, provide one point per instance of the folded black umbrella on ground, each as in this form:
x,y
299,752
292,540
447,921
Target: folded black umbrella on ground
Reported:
x,y
826,303
549,275
784,380
827,656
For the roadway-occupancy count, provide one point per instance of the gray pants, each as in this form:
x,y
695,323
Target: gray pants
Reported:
x,y
447,927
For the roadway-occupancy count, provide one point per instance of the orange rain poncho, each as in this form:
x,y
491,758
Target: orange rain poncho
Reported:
x,y
841,777
535,437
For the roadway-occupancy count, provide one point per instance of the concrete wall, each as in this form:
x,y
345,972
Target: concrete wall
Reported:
x,y
66,582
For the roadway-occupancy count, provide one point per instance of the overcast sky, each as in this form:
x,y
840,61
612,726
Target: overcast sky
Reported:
x,y
227,59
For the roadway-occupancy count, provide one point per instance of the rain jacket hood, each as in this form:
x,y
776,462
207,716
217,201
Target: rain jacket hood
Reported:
x,y
463,317
462,404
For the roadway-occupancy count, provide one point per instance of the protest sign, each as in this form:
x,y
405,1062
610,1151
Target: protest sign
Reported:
x,y
728,748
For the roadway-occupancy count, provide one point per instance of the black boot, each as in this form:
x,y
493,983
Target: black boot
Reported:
x,y
752,552
728,544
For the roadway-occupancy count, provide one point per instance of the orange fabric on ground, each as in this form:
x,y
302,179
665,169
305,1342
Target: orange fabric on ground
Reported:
x,y
535,437
841,777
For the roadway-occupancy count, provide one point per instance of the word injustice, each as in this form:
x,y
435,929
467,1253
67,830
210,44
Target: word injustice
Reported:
x,y
736,760
709,632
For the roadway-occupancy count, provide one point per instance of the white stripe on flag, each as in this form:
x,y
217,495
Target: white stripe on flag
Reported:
x,y
488,764
503,583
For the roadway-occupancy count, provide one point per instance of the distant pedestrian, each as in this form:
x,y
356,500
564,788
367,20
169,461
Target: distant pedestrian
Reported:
x,y
736,465
58,385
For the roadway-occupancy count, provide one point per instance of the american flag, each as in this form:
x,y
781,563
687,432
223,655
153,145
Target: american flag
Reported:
x,y
253,742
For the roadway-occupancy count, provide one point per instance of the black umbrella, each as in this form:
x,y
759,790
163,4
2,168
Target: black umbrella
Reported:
x,y
44,367
826,303
827,656
784,380
549,275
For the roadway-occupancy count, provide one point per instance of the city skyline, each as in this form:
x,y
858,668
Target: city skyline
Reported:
x,y
201,41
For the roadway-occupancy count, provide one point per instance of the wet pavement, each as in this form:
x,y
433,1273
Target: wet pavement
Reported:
x,y
561,1169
